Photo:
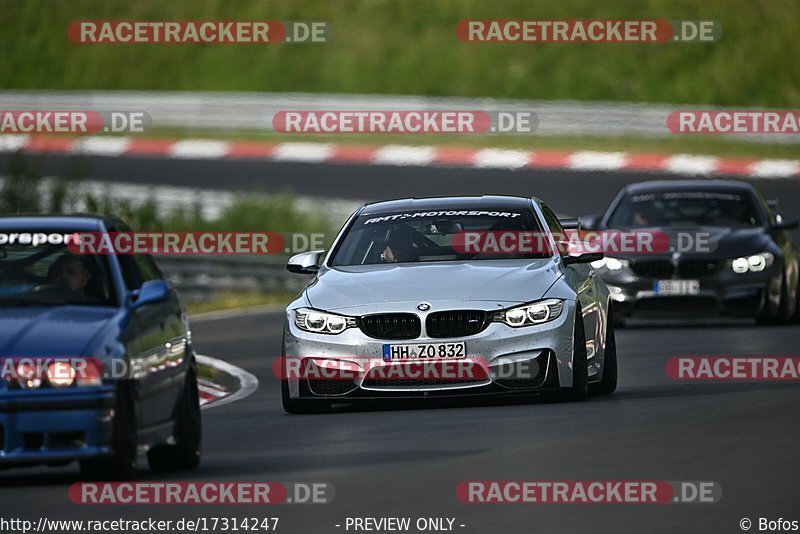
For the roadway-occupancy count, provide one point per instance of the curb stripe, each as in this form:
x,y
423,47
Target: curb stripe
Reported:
x,y
404,155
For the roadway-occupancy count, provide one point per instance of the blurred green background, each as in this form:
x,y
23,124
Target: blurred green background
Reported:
x,y
410,47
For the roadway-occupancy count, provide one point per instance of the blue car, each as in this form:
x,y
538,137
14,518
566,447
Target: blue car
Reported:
x,y
96,355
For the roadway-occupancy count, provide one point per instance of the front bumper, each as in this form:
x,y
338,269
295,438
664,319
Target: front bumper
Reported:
x,y
543,351
723,293
54,426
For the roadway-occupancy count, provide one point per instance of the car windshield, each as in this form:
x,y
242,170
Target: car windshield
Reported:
x,y
49,274
685,208
426,236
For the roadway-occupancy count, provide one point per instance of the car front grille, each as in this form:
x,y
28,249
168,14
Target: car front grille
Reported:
x,y
456,323
698,268
653,268
391,326
693,268
684,304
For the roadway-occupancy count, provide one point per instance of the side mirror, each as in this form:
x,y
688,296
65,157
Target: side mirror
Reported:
x,y
588,257
590,222
305,262
785,222
772,203
151,292
570,224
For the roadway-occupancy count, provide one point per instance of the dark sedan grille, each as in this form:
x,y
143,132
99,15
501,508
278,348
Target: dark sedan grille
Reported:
x,y
694,268
653,268
391,326
698,268
456,323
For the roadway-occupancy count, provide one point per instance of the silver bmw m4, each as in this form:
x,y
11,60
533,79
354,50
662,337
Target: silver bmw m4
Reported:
x,y
447,296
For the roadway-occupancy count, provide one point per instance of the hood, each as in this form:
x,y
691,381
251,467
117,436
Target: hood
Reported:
x,y
720,242
491,281
39,331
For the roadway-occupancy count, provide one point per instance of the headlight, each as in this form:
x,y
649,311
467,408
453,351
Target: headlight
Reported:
x,y
322,322
34,373
536,313
60,374
612,264
755,263
28,375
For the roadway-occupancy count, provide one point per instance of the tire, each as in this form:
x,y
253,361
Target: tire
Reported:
x,y
785,306
579,390
185,454
121,465
797,301
301,406
783,315
608,384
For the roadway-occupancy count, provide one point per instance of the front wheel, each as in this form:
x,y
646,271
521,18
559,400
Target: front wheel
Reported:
x,y
580,367
783,313
185,454
608,384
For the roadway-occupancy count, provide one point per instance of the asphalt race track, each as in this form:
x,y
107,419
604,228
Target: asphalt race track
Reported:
x,y
570,192
405,461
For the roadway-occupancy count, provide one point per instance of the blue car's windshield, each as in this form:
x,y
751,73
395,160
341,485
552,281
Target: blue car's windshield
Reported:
x,y
49,274
441,235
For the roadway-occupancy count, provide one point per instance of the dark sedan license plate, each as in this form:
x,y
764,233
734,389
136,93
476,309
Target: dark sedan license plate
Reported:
x,y
677,287
424,351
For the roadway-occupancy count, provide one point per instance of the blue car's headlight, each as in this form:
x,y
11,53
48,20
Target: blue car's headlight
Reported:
x,y
322,322
530,314
35,373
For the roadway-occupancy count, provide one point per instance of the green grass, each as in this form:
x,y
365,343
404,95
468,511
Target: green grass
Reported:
x,y
700,145
410,47
22,192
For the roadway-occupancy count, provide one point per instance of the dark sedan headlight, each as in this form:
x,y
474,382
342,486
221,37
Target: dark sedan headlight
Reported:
x,y
530,314
320,322
755,263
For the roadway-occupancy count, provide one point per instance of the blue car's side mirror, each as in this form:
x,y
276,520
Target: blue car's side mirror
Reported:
x,y
151,292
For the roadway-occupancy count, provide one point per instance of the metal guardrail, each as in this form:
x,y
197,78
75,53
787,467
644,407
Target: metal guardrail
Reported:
x,y
254,111
199,277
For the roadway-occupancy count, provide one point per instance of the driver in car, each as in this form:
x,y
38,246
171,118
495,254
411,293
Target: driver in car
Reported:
x,y
69,271
399,250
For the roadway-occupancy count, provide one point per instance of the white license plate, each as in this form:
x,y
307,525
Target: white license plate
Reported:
x,y
424,351
677,287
